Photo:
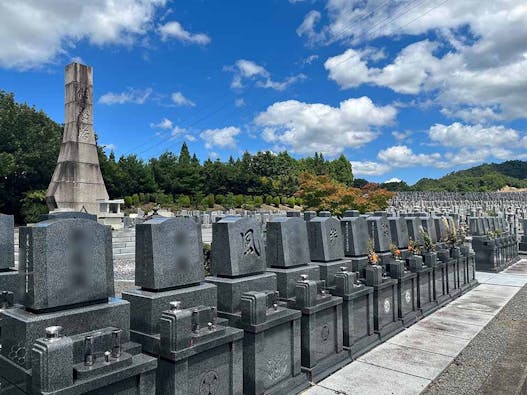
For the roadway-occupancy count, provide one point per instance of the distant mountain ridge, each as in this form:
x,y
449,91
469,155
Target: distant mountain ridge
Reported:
x,y
483,178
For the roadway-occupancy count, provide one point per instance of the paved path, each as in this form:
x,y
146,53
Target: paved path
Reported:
x,y
409,361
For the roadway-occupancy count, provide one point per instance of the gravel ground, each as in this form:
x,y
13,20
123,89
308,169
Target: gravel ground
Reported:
x,y
495,361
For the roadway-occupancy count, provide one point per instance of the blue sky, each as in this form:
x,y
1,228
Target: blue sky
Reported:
x,y
405,89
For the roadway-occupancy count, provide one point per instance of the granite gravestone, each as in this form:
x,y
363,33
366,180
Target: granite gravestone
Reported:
x,y
198,354
288,254
355,233
321,330
170,253
326,247
399,231
248,298
74,308
357,313
238,263
65,262
8,275
169,267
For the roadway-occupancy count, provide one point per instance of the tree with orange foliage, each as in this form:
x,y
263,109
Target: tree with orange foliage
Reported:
x,y
323,193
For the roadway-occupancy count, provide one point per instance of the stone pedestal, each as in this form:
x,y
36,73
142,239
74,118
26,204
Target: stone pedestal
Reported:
x,y
197,354
426,302
248,299
385,303
452,272
357,313
66,338
8,275
406,292
288,255
321,330
271,346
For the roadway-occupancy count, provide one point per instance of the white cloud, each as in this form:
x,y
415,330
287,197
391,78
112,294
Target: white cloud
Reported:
x,y
36,32
308,128
221,138
368,168
400,136
180,100
178,131
109,147
244,69
174,30
164,124
131,95
190,137
239,102
406,74
403,156
393,179
460,135
481,74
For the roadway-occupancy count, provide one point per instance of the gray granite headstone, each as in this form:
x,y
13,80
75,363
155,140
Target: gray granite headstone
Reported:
x,y
309,215
399,231
169,253
287,242
325,239
379,232
355,234
7,241
65,262
237,247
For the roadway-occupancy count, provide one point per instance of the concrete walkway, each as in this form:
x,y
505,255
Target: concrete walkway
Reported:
x,y
409,361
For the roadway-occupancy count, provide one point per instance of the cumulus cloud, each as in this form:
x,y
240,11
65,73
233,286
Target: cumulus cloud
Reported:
x,y
180,100
221,138
174,30
306,128
475,68
393,179
369,168
246,70
403,156
35,32
460,135
131,95
163,124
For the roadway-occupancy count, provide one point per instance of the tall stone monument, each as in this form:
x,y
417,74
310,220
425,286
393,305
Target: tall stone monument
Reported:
x,y
77,182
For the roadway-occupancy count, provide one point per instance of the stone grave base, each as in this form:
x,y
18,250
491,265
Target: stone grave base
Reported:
x,y
357,317
135,378
146,307
9,281
327,366
439,275
358,264
453,278
329,269
20,328
384,258
286,278
407,298
214,366
271,356
230,290
321,339
425,291
385,309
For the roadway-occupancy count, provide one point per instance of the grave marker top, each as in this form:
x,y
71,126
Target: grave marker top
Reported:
x,y
65,262
237,247
169,253
287,244
325,239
